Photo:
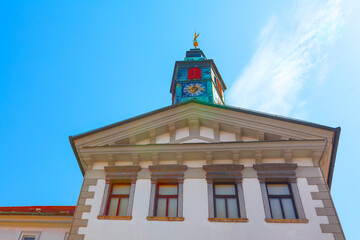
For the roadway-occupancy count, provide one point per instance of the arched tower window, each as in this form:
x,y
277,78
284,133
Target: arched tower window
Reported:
x,y
194,73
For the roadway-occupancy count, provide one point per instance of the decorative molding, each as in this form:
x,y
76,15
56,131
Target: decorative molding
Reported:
x,y
261,136
258,157
194,126
177,219
270,220
168,172
243,220
172,132
135,159
276,171
216,128
122,173
155,158
209,157
110,159
223,172
179,157
152,136
288,156
238,133
236,157
100,217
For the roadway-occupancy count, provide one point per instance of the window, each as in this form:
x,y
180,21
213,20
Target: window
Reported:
x,y
118,200
281,197
166,200
30,236
225,193
166,195
194,73
226,200
281,201
119,192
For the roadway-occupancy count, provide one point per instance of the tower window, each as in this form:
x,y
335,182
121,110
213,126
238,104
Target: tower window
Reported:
x,y
194,73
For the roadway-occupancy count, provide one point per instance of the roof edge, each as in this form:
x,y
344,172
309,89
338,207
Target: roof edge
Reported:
x,y
237,109
71,139
333,155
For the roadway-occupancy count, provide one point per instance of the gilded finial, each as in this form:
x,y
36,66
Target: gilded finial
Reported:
x,y
195,43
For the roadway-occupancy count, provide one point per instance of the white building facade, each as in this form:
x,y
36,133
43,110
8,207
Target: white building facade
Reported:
x,y
198,170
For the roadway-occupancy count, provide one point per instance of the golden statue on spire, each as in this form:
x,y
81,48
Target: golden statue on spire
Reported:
x,y
195,43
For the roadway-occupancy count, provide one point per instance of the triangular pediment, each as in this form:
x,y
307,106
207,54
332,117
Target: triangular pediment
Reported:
x,y
199,123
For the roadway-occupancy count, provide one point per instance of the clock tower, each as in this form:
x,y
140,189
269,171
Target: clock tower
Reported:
x,y
197,77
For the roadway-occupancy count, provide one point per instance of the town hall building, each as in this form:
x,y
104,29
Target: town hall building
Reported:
x,y
197,169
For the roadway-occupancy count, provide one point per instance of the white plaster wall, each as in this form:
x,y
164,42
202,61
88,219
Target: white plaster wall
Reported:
x,y
163,138
13,233
196,224
181,133
227,136
206,132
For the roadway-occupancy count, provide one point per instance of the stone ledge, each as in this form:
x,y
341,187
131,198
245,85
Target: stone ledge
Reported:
x,y
114,217
178,219
286,220
228,220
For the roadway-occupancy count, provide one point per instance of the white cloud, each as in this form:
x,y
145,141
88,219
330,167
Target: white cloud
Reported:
x,y
289,47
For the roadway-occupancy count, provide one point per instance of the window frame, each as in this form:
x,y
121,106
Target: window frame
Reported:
x,y
166,174
236,197
280,173
118,175
225,173
119,196
29,234
157,196
289,196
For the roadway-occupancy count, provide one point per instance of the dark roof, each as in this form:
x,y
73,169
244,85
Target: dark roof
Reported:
x,y
232,108
39,210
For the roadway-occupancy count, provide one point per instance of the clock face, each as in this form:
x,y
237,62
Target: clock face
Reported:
x,y
193,89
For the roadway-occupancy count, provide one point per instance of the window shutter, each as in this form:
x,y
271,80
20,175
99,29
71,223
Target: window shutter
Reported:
x,y
194,73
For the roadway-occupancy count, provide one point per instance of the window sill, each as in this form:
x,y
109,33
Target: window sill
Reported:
x,y
228,220
114,217
286,220
178,219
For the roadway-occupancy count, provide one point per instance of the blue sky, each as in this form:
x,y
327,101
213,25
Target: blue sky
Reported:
x,y
67,67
